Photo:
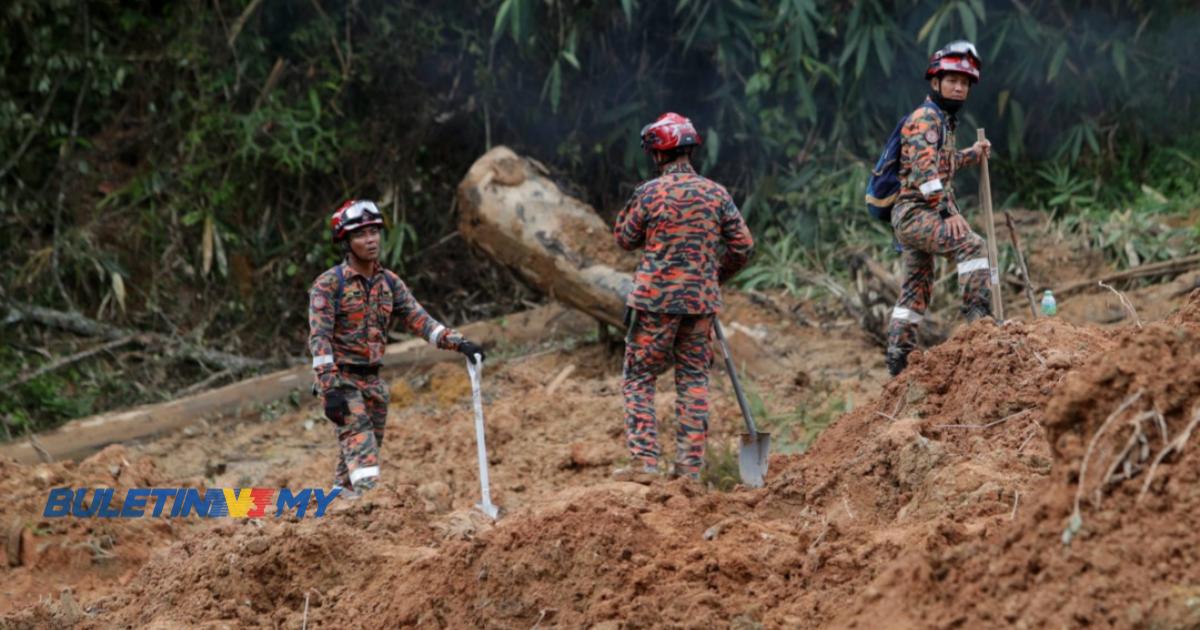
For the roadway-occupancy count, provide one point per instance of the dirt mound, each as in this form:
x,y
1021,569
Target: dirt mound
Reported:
x,y
964,418
944,501
262,572
1128,558
45,555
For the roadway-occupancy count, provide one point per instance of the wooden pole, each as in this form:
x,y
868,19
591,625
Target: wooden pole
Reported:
x,y
985,200
1012,231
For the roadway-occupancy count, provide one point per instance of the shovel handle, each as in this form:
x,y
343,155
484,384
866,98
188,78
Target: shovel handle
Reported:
x,y
737,384
475,371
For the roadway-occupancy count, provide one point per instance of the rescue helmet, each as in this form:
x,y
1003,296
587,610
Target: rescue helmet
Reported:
x,y
354,214
670,131
959,56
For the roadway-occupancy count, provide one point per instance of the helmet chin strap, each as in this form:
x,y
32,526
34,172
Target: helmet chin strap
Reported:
x,y
948,105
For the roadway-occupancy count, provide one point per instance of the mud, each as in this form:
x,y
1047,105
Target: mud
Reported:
x,y
939,499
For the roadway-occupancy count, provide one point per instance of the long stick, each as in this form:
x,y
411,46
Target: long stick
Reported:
x,y
1167,267
1012,231
985,200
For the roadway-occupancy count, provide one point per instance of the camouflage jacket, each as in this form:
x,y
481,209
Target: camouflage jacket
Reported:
x,y
927,173
355,332
683,222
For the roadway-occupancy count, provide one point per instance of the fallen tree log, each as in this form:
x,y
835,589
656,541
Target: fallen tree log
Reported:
x,y
82,437
509,208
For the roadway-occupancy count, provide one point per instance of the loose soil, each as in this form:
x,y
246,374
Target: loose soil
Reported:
x,y
942,498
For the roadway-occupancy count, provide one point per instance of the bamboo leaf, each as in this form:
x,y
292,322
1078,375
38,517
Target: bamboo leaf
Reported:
x,y
980,10
968,20
860,62
1056,62
118,288
552,87
1119,59
712,144
570,57
933,22
502,17
882,51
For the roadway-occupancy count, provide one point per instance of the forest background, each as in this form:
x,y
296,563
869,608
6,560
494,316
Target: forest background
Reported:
x,y
169,167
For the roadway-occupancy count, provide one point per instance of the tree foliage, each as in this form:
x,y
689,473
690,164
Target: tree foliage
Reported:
x,y
174,163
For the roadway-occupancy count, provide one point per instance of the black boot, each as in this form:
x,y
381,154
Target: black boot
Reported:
x,y
897,360
976,312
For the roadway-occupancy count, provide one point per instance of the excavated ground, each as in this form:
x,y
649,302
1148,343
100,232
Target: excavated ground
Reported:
x,y
944,498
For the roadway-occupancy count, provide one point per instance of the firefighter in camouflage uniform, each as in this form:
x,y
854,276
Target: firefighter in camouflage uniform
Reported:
x,y
693,238
351,308
926,219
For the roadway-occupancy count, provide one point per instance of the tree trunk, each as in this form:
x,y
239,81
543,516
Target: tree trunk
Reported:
x,y
510,209
82,437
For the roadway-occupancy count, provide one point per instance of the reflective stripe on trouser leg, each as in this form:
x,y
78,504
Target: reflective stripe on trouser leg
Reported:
x,y
914,300
974,275
693,357
647,354
358,457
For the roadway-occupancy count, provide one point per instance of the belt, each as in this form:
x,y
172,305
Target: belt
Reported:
x,y
359,370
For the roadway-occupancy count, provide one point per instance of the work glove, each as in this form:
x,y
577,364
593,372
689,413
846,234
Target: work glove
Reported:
x,y
336,407
470,349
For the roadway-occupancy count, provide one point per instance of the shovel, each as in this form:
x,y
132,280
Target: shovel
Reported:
x,y
755,446
485,505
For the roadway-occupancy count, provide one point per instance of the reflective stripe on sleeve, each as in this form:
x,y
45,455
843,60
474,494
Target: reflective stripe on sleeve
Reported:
x,y
931,186
324,359
436,334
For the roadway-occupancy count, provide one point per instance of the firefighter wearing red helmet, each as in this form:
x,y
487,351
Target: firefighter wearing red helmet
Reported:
x,y
926,218
351,308
693,238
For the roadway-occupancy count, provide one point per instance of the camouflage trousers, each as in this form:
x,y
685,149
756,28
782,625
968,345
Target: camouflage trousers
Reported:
x,y
654,343
924,234
360,439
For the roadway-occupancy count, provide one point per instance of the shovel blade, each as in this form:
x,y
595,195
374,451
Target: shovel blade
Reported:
x,y
490,510
753,458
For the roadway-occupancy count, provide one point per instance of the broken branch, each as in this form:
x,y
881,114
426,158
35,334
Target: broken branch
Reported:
x,y
1176,445
67,360
1124,302
1169,267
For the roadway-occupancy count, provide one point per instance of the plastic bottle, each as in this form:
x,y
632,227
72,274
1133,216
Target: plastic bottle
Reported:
x,y
1049,306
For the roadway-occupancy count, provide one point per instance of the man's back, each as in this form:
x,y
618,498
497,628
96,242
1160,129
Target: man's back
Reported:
x,y
682,220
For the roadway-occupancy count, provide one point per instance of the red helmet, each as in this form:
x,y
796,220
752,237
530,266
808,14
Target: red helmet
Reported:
x,y
960,57
670,131
354,214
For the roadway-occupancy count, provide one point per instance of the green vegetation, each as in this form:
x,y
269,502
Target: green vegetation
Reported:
x,y
170,166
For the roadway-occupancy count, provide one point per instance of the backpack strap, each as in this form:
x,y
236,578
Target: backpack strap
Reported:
x,y
341,288
387,275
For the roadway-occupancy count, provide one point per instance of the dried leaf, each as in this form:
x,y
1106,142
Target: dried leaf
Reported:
x,y
207,245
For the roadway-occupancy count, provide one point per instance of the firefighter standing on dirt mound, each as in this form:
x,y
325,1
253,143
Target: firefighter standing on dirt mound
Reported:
x,y
926,219
351,307
693,238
